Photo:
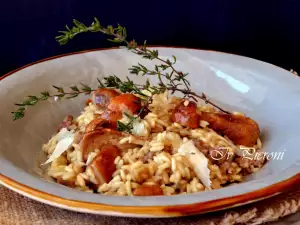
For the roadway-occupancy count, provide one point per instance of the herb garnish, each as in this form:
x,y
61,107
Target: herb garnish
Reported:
x,y
60,93
169,78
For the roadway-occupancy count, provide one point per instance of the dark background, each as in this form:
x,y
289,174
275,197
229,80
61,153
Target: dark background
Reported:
x,y
265,30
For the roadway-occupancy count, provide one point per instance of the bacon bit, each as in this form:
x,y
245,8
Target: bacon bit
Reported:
x,y
88,101
148,190
69,183
67,122
186,115
103,164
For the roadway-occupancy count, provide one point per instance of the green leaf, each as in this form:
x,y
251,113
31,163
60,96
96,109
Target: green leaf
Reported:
x,y
130,117
68,29
147,84
59,96
174,57
115,40
132,45
74,88
148,56
62,39
122,127
79,24
18,114
31,100
72,95
155,53
163,66
59,89
124,33
44,95
127,86
110,29
96,24
112,81
100,84
85,88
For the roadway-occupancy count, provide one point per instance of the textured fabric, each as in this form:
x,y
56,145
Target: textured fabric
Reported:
x,y
18,210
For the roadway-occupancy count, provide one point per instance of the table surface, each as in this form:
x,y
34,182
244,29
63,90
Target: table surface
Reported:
x,y
289,220
16,209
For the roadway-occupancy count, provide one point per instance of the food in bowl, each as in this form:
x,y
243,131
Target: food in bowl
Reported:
x,y
141,140
176,147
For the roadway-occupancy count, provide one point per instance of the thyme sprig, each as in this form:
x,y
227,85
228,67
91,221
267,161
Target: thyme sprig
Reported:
x,y
112,81
169,77
32,100
174,80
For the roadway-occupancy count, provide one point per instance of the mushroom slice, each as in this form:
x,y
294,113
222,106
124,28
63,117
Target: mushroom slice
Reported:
x,y
103,165
148,190
100,123
112,117
99,138
185,113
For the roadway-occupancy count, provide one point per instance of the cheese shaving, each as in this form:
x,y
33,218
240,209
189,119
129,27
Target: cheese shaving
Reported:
x,y
141,128
65,138
198,160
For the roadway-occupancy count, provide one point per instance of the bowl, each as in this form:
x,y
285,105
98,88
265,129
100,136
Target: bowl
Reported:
x,y
268,94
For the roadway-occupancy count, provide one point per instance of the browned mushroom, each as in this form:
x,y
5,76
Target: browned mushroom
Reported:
x,y
102,97
88,101
99,123
99,138
103,165
238,128
186,115
78,137
128,103
69,183
148,190
112,116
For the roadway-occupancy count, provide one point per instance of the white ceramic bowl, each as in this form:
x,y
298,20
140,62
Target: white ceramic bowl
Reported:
x,y
268,94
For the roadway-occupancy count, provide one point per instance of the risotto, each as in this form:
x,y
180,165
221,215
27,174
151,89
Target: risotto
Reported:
x,y
174,147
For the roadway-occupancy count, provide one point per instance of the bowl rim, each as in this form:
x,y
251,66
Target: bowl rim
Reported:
x,y
147,211
153,211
